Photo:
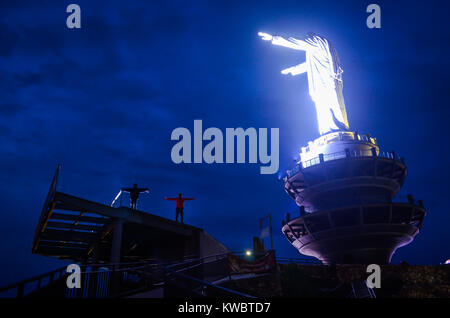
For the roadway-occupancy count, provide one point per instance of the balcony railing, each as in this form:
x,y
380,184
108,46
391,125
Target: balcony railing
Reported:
x,y
358,215
339,136
341,155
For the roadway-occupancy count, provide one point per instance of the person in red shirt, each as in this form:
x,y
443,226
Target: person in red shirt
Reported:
x,y
180,205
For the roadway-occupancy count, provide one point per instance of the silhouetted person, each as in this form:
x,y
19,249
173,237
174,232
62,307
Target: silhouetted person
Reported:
x,y
410,199
288,217
302,210
180,205
134,194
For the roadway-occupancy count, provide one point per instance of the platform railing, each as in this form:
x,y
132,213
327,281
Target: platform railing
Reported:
x,y
21,288
99,273
121,279
341,155
339,136
47,207
393,213
298,260
179,284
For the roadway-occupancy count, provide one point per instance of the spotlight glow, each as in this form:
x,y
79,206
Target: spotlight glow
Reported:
x,y
324,78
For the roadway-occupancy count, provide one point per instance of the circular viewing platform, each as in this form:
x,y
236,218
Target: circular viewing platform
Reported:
x,y
355,234
345,186
369,175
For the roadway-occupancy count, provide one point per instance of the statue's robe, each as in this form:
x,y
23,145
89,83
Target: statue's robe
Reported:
x,y
324,79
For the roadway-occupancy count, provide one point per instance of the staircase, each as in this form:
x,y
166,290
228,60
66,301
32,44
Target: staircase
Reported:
x,y
360,290
182,278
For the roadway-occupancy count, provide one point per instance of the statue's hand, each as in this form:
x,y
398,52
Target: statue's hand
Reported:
x,y
289,70
265,36
295,70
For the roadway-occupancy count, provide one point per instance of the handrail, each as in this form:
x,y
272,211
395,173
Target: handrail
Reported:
x,y
339,135
115,199
46,209
341,155
201,259
111,267
297,260
170,266
362,206
206,283
21,283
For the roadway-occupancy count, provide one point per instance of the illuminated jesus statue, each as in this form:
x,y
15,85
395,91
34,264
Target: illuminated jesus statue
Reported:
x,y
324,78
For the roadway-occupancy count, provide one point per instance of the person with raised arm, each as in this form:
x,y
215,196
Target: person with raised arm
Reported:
x,y
180,205
134,194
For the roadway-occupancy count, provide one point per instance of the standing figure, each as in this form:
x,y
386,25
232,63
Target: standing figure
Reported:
x,y
134,194
180,205
324,78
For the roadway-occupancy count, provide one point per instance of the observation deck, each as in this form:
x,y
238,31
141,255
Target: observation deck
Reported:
x,y
344,168
345,186
367,233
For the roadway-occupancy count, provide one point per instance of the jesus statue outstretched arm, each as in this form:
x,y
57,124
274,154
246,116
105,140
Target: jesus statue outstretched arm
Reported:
x,y
291,43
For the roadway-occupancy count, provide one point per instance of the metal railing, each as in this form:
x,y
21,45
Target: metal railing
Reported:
x,y
298,260
339,136
121,279
114,280
361,290
47,207
356,215
341,155
21,288
95,278
179,284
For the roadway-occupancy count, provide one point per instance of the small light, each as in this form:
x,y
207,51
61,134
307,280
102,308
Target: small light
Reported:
x,y
248,253
447,262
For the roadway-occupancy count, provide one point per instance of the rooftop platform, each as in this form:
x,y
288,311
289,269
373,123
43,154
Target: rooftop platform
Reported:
x,y
74,228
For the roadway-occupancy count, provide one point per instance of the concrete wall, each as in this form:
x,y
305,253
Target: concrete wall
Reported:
x,y
210,246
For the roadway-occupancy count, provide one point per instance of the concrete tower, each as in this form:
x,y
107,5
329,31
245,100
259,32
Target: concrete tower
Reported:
x,y
344,186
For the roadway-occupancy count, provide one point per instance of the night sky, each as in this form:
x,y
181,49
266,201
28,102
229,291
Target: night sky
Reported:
x,y
103,100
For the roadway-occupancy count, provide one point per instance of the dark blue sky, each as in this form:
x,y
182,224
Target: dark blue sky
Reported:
x,y
103,101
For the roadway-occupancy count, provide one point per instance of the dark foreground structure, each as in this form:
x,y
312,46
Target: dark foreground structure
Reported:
x,y
124,252
345,186
128,253
348,281
84,231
